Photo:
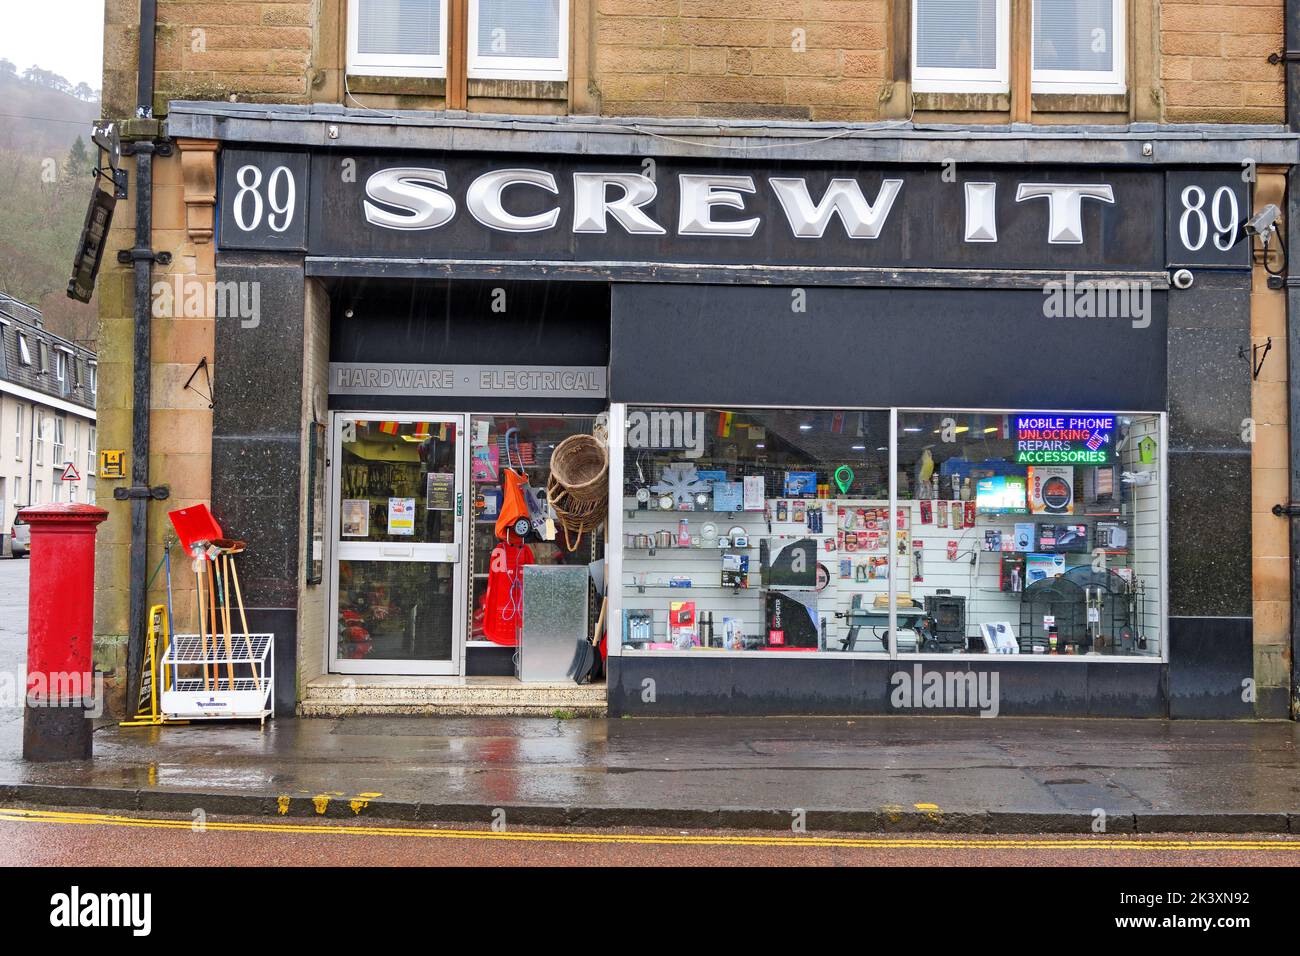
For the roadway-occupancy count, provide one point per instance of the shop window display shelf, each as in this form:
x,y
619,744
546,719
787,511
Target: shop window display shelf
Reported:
x,y
247,697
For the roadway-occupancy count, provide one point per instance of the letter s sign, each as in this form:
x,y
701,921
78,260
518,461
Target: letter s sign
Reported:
x,y
263,200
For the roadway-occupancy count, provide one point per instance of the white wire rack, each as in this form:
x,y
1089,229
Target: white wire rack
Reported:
x,y
206,682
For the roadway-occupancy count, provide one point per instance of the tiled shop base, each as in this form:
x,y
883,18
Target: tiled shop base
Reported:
x,y
337,695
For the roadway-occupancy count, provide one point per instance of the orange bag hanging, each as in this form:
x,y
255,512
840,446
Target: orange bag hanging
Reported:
x,y
521,512
514,509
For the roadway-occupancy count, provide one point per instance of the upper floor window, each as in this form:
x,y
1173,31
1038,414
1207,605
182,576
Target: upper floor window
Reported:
x,y
24,352
60,457
1078,46
960,46
397,37
518,39
60,366
965,46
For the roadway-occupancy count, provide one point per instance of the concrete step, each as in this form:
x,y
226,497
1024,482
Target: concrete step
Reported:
x,y
340,695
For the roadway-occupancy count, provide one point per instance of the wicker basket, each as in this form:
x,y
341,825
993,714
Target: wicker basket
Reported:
x,y
580,465
574,517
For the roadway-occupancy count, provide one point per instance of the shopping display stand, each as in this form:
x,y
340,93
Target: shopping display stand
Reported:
x,y
218,672
245,696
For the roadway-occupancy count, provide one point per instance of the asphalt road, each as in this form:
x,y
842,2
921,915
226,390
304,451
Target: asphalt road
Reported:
x,y
13,636
43,837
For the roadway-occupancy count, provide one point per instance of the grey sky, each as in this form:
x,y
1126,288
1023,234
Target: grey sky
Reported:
x,y
65,36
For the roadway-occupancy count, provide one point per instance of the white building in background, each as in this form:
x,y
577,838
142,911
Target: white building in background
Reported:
x,y
47,414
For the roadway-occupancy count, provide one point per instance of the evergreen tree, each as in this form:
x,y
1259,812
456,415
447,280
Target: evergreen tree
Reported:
x,y
79,162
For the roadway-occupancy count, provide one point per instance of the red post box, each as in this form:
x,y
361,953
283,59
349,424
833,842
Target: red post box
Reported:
x,y
60,699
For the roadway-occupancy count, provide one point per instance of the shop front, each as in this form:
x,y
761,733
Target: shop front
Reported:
x,y
886,435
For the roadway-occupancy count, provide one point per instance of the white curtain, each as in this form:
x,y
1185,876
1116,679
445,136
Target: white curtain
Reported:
x,y
957,34
519,28
1074,35
399,27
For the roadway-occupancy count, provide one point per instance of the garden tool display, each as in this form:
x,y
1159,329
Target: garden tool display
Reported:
x,y
228,548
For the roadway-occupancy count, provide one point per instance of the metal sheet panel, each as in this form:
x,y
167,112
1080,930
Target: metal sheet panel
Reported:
x,y
555,618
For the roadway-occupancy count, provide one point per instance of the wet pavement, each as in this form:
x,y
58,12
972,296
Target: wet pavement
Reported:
x,y
914,774
910,773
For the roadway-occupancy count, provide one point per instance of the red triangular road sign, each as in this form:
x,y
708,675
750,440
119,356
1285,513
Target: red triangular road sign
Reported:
x,y
70,472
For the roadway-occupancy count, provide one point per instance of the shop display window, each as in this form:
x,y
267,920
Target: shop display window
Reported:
x,y
756,530
731,527
1035,532
537,437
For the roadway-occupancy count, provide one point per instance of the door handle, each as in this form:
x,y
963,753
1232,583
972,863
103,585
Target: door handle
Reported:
x,y
399,552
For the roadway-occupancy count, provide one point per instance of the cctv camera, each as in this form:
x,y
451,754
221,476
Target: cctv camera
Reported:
x,y
1264,220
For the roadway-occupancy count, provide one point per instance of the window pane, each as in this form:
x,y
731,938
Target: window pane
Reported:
x,y
756,530
519,28
1024,537
1073,35
398,482
395,610
956,34
399,27
538,436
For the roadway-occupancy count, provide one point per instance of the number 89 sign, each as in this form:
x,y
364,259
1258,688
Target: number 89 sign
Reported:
x,y
263,200
1204,213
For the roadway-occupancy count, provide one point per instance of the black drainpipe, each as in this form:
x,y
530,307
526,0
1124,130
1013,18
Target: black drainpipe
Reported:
x,y
1291,56
142,259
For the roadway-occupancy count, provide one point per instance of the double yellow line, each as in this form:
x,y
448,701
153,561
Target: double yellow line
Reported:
x,y
17,815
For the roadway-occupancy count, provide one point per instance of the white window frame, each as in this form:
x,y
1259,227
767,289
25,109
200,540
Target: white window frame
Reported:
x,y
24,351
58,455
519,67
942,80
392,64
60,364
90,451
38,435
1088,81
18,435
92,376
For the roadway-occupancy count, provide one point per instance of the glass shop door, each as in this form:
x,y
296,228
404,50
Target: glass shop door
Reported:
x,y
398,487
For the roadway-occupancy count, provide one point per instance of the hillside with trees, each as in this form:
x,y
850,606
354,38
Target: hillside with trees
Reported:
x,y
46,175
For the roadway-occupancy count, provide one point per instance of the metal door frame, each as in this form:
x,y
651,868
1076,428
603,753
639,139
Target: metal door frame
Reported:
x,y
453,553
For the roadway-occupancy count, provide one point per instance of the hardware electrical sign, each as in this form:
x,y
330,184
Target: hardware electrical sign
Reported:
x,y
1050,439
472,381
609,211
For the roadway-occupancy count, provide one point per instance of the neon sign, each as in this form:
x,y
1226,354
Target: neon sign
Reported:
x,y
1043,439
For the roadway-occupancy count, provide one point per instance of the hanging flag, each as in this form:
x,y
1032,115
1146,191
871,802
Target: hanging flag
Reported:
x,y
388,428
837,423
442,431
724,424
421,431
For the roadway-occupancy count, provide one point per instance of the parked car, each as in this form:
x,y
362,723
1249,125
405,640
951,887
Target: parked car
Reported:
x,y
20,539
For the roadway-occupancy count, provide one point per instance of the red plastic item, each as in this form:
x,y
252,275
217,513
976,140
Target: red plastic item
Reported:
x,y
195,524
61,598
